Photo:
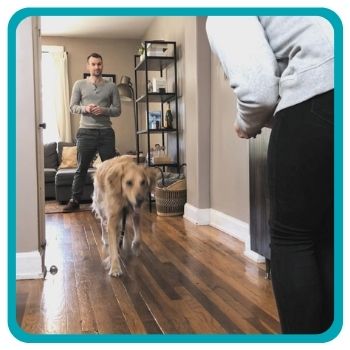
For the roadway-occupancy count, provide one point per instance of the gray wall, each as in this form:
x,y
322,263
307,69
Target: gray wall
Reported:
x,y
117,59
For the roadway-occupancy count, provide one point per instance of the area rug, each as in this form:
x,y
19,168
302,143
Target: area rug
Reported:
x,y
53,207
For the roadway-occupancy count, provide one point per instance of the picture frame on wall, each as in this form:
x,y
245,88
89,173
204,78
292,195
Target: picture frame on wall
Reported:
x,y
107,77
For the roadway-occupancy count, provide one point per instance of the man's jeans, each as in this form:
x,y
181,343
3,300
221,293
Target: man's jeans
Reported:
x,y
300,170
90,141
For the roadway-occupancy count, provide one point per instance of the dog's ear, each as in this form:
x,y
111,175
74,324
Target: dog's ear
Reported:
x,y
152,174
114,179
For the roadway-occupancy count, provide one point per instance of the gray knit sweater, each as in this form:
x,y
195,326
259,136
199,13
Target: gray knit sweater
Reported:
x,y
272,62
104,95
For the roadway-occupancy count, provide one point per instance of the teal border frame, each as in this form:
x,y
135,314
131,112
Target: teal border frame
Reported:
x,y
332,332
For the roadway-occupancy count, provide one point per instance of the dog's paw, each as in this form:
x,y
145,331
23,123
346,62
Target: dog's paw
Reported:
x,y
116,272
136,247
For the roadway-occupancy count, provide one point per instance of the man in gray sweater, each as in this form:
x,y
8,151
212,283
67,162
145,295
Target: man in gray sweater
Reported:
x,y
96,100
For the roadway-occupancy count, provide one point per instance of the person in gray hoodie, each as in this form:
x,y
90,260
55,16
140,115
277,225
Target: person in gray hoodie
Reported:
x,y
281,69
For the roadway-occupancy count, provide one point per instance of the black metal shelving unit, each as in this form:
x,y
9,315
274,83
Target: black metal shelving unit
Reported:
x,y
156,64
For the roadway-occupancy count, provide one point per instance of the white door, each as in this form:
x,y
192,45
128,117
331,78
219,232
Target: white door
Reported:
x,y
39,133
30,226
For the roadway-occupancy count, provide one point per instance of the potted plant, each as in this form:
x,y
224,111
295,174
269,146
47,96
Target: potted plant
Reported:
x,y
141,52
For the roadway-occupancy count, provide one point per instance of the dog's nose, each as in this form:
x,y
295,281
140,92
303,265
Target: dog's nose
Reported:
x,y
139,200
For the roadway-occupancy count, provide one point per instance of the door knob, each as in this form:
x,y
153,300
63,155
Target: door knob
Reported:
x,y
42,125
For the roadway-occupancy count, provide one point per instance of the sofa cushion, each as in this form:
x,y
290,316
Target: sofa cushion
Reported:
x,y
69,157
64,193
60,146
50,155
49,174
64,177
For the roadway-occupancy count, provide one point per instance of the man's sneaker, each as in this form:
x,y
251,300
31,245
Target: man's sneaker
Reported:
x,y
71,206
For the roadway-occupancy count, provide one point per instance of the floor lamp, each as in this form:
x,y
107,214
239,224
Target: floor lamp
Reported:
x,y
126,93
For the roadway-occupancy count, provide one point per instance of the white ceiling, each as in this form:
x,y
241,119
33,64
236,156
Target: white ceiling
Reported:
x,y
111,27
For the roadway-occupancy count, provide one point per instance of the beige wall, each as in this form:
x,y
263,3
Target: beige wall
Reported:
x,y
118,58
229,177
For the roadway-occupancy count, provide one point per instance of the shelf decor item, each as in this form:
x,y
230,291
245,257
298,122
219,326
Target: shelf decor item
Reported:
x,y
149,86
141,52
154,120
168,118
159,85
157,48
171,195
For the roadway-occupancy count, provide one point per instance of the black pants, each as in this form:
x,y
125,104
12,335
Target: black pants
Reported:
x,y
90,141
300,168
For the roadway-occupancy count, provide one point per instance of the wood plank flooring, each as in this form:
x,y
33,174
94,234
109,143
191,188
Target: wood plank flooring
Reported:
x,y
188,279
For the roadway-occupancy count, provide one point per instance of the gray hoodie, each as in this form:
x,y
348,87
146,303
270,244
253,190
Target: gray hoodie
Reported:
x,y
272,62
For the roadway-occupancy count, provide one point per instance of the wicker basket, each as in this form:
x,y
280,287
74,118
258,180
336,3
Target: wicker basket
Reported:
x,y
170,200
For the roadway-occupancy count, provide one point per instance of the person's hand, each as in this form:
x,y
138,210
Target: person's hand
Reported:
x,y
90,107
97,110
240,133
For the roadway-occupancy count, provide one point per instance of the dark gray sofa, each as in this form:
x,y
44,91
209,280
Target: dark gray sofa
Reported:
x,y
58,182
50,169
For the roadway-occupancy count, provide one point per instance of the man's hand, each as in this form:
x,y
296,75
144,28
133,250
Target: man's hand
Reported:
x,y
89,107
97,110
94,109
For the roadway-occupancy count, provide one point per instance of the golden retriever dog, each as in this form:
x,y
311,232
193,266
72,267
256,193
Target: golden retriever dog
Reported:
x,y
120,188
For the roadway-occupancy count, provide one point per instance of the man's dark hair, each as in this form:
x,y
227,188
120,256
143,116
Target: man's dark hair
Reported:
x,y
95,55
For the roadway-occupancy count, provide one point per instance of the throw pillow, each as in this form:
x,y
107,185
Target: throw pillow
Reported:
x,y
69,157
60,146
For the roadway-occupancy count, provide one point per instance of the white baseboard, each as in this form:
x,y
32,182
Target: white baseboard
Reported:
x,y
29,265
234,227
196,215
223,222
254,256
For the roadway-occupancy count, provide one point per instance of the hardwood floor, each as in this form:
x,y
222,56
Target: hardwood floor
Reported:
x,y
187,279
